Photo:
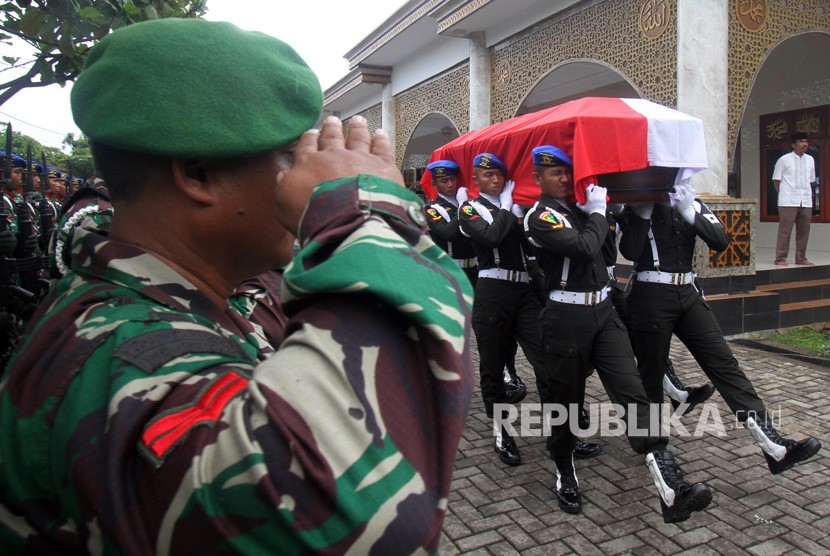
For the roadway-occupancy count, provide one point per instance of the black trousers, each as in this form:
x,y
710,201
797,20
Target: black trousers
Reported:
x,y
656,311
577,337
504,313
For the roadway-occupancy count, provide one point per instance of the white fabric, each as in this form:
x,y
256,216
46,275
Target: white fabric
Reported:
x,y
674,393
775,451
451,200
666,493
796,173
675,140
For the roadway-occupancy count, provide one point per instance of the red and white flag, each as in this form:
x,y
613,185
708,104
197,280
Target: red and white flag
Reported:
x,y
601,135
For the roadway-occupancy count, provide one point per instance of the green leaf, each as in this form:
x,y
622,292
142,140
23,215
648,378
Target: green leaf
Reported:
x,y
89,12
9,60
30,22
65,45
131,9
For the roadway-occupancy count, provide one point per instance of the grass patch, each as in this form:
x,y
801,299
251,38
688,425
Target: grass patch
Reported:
x,y
817,341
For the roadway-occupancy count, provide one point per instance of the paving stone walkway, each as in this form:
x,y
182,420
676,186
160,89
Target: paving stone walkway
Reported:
x,y
495,509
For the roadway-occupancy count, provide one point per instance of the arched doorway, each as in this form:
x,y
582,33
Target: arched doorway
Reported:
x,y
573,80
433,131
791,92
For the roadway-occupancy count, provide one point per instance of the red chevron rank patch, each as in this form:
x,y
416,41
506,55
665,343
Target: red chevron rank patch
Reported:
x,y
162,435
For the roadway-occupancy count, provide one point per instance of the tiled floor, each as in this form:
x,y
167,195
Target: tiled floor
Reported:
x,y
494,509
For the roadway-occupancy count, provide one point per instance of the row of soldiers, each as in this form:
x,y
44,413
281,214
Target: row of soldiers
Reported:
x,y
33,197
545,278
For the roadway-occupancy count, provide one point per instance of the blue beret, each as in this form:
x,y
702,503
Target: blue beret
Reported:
x,y
548,155
442,168
55,173
489,161
18,161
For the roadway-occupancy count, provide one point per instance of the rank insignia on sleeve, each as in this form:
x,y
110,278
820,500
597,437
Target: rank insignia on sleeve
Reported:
x,y
548,216
433,214
469,211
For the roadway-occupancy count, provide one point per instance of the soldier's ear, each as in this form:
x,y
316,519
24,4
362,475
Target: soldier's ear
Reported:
x,y
191,178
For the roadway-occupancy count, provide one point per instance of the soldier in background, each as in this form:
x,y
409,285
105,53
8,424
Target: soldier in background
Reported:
x,y
177,426
505,304
665,299
581,329
445,231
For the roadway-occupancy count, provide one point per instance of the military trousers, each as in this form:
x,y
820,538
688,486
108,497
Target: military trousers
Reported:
x,y
503,313
656,311
577,338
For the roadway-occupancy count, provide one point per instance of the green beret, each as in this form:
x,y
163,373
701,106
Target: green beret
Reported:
x,y
193,88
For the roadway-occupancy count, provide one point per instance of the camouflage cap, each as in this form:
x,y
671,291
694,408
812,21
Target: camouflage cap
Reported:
x,y
194,88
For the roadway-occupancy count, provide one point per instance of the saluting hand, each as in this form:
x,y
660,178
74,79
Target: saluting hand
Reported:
x,y
327,155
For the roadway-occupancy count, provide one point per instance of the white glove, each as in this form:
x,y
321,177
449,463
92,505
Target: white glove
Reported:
x,y
643,210
594,200
518,211
461,195
683,200
506,195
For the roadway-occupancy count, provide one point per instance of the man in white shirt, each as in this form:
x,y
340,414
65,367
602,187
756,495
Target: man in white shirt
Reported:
x,y
792,178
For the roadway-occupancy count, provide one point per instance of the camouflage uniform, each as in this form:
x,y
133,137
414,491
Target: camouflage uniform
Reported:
x,y
258,300
90,206
139,417
10,206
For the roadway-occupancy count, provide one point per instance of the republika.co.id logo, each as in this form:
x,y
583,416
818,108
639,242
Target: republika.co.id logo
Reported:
x,y
609,419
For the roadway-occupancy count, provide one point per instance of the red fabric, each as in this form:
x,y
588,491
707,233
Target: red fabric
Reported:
x,y
170,429
601,135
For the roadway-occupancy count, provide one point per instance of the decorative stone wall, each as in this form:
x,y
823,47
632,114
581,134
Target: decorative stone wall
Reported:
x,y
448,94
373,115
615,32
756,27
738,217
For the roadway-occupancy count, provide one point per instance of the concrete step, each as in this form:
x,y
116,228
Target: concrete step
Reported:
x,y
802,313
739,313
794,292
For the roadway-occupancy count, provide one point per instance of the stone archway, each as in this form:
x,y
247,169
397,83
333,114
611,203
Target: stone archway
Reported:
x,y
576,79
433,131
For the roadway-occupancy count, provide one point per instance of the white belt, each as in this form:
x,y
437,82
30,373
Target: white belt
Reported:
x,y
580,298
674,278
467,263
504,274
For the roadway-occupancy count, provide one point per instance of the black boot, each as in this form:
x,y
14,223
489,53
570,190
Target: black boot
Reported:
x,y
781,453
514,387
567,486
584,421
506,448
679,393
678,499
586,450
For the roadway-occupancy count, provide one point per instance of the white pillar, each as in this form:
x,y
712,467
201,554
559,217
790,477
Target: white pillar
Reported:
x,y
703,83
387,114
479,82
